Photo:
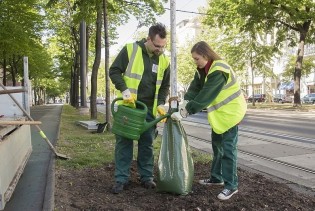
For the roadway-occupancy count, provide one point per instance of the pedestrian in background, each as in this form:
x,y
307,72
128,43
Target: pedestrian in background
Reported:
x,y
141,72
215,87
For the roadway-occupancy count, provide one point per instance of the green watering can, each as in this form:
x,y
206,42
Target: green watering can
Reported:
x,y
131,122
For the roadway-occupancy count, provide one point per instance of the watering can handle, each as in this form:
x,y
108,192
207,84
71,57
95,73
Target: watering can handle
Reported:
x,y
145,108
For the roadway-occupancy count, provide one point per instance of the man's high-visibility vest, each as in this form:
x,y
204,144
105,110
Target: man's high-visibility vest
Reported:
x,y
135,68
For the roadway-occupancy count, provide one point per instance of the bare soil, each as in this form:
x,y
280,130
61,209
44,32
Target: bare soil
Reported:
x,y
90,189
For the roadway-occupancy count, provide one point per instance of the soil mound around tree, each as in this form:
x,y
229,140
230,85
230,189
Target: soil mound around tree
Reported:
x,y
90,189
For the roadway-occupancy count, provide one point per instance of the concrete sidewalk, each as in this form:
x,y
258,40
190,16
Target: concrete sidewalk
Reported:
x,y
35,189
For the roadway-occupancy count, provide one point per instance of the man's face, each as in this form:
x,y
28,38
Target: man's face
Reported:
x,y
157,45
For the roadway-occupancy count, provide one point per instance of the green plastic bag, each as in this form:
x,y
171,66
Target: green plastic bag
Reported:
x,y
175,164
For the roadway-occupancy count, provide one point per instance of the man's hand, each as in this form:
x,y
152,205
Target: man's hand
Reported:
x,y
161,112
128,98
126,94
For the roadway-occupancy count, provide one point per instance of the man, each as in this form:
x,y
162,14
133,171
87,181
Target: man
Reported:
x,y
141,72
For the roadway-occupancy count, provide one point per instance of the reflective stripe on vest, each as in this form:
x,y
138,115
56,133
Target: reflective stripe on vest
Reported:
x,y
229,98
226,101
229,107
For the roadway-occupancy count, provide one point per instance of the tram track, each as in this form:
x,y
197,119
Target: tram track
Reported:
x,y
264,137
307,170
243,132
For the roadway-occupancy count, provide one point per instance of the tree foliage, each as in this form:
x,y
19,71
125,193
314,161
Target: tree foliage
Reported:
x,y
65,15
308,67
291,22
22,30
186,67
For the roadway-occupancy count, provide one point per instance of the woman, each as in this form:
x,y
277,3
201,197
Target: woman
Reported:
x,y
215,87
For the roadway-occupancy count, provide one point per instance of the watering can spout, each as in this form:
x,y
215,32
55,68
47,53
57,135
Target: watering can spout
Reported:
x,y
148,125
131,122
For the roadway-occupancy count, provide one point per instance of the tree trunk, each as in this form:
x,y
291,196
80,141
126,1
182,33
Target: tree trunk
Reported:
x,y
76,69
107,111
13,77
96,64
4,68
72,86
252,73
35,95
76,79
87,58
298,70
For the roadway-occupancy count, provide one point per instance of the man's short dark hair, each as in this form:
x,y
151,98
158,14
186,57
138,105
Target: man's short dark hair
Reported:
x,y
159,29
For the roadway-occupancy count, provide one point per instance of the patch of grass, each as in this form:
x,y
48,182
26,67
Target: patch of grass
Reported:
x,y
88,149
85,148
279,106
201,157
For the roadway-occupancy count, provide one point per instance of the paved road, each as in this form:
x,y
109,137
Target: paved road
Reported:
x,y
34,191
273,121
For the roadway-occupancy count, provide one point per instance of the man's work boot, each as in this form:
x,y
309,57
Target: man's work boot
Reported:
x,y
119,187
149,184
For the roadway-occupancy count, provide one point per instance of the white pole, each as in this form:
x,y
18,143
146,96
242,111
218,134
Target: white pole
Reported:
x,y
173,53
26,85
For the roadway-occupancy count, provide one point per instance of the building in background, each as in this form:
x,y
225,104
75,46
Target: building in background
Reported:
x,y
187,30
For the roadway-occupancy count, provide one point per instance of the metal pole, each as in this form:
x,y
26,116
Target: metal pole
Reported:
x,y
26,85
83,63
173,53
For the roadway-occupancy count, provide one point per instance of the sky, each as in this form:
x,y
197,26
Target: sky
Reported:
x,y
185,5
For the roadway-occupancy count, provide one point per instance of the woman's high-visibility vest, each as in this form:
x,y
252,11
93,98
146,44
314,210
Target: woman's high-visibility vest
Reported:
x,y
135,69
229,107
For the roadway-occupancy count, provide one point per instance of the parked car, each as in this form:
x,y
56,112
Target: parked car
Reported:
x,y
310,98
257,98
100,100
282,98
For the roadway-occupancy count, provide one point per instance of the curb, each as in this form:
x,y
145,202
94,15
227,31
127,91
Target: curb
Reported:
x,y
49,198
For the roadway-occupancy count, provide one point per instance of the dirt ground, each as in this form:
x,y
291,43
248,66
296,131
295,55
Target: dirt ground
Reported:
x,y
89,189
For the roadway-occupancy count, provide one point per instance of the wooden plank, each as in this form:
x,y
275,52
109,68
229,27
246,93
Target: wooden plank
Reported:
x,y
9,91
20,122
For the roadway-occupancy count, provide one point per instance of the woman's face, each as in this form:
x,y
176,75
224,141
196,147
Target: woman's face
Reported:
x,y
199,60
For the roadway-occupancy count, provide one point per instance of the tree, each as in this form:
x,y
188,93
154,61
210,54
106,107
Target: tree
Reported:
x,y
68,13
308,67
96,64
292,19
246,52
20,35
185,66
